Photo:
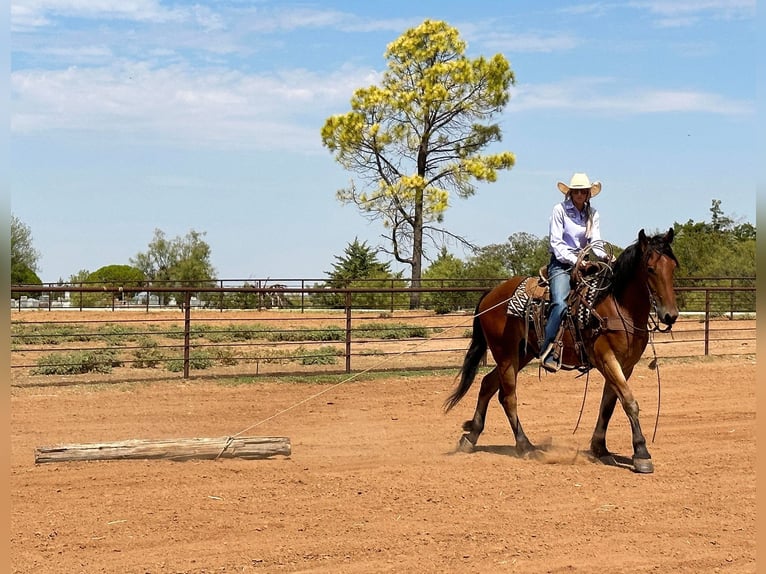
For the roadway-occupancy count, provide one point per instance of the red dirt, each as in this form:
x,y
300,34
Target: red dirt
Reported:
x,y
373,483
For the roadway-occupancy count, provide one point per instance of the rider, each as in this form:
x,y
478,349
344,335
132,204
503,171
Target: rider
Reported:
x,y
574,224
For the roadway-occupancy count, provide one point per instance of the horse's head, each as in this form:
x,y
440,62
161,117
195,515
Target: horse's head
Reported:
x,y
660,266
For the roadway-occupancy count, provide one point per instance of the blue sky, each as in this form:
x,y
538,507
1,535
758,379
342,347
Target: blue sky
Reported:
x,y
134,115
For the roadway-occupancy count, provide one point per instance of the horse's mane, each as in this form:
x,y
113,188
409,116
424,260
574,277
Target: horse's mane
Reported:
x,y
627,263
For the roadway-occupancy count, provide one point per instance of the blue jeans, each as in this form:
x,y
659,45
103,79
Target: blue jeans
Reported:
x,y
559,275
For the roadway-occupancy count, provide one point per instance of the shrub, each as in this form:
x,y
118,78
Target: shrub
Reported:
x,y
100,361
326,355
198,360
148,355
225,356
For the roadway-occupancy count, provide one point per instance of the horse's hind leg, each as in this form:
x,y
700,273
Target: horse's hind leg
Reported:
x,y
474,427
508,399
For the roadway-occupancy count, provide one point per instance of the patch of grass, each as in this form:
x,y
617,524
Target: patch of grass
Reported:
x,y
116,334
224,356
391,331
148,355
77,363
198,360
238,333
328,334
46,334
325,355
335,378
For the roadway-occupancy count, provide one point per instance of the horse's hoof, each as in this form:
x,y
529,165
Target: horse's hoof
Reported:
x,y
643,465
465,444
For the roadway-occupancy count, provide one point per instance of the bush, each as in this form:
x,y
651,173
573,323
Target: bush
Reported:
x,y
148,355
322,356
225,356
100,361
198,360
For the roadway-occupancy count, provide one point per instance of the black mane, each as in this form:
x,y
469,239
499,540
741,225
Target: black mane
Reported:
x,y
629,261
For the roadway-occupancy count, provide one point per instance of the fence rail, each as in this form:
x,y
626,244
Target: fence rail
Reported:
x,y
304,336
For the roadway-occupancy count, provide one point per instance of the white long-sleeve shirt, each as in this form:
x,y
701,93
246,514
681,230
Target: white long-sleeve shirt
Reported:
x,y
567,231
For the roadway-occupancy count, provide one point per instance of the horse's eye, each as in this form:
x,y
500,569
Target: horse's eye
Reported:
x,y
651,270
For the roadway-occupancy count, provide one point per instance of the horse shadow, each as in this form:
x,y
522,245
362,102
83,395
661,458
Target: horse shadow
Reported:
x,y
548,453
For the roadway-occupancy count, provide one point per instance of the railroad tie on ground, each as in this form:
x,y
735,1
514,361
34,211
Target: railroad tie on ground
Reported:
x,y
173,449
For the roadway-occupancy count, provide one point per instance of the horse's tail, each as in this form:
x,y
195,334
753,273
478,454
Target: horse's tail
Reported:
x,y
473,357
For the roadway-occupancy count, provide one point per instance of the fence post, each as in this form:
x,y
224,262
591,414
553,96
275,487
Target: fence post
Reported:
x,y
707,321
187,331
348,331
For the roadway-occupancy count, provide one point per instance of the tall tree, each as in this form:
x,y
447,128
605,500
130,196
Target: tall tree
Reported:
x,y
24,256
359,267
416,139
178,261
359,261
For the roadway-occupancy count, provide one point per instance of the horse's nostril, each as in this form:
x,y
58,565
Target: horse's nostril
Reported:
x,y
670,318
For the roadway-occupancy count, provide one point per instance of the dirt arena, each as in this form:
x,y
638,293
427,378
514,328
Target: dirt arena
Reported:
x,y
373,483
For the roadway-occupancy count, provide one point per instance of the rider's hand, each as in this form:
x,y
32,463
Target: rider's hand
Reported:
x,y
587,267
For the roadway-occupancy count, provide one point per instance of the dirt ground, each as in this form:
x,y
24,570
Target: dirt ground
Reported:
x,y
373,483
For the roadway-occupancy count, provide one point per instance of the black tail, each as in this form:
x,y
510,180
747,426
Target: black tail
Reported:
x,y
473,357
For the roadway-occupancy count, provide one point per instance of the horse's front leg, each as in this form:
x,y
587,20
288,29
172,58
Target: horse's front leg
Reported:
x,y
617,384
606,409
507,398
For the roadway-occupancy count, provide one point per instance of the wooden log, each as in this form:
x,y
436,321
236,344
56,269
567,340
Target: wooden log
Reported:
x,y
173,449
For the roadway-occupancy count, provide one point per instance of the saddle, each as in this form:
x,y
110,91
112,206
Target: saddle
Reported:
x,y
531,301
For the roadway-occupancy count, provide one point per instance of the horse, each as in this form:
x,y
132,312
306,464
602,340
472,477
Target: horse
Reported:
x,y
614,341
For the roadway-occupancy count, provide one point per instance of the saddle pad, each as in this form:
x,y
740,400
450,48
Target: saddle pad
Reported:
x,y
528,289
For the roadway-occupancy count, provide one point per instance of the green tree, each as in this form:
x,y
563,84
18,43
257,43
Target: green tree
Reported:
x,y
130,278
88,299
446,271
718,248
416,139
523,254
24,256
181,261
359,261
359,268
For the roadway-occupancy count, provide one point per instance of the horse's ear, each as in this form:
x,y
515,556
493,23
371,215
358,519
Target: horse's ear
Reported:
x,y
669,236
642,240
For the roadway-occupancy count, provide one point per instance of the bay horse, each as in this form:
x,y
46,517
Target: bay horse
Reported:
x,y
614,341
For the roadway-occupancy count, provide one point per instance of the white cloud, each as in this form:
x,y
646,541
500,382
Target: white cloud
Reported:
x,y
682,13
602,96
39,12
221,108
528,42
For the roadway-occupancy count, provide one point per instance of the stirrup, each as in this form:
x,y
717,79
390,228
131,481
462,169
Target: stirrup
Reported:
x,y
547,351
551,363
548,360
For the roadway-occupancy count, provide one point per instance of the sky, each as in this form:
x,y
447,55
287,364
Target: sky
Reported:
x,y
128,116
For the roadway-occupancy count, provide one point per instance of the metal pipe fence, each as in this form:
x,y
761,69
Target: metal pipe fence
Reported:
x,y
324,330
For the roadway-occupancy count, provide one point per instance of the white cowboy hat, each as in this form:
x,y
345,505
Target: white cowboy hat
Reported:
x,y
580,181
